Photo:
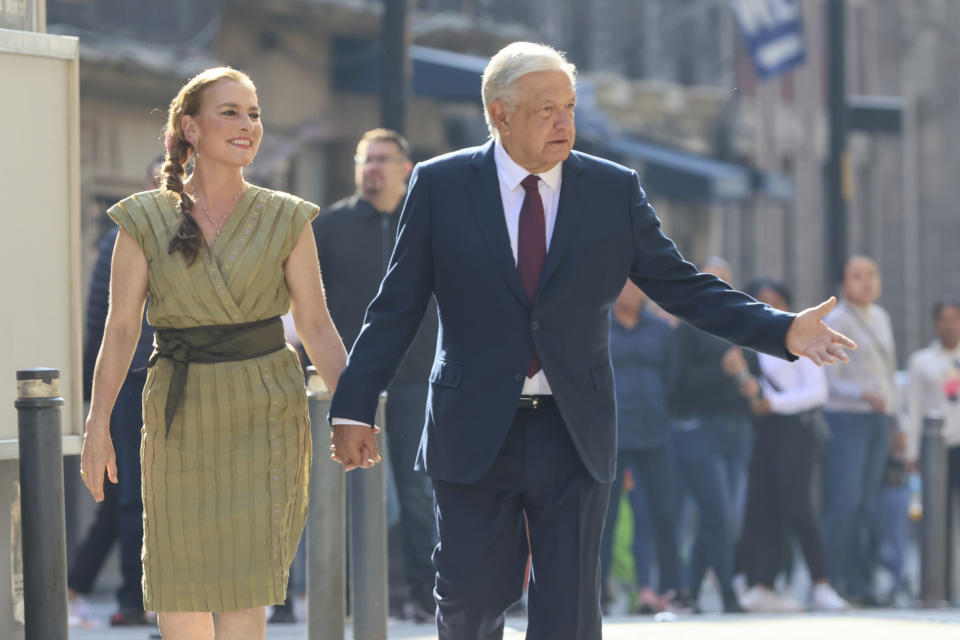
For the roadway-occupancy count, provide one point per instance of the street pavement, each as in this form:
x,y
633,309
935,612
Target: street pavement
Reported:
x,y
875,624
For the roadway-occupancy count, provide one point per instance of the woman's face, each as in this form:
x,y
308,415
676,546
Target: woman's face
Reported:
x,y
861,281
772,298
227,127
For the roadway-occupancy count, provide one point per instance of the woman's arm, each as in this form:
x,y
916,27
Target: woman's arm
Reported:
x,y
128,292
309,308
809,393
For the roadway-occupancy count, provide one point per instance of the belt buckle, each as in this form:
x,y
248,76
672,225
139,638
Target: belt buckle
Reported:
x,y
535,402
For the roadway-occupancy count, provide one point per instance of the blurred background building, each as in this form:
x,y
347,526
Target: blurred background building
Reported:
x,y
734,164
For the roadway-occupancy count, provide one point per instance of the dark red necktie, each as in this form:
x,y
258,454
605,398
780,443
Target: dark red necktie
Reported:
x,y
531,247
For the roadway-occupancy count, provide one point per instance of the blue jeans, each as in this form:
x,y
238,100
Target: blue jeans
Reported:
x,y
654,516
852,474
119,517
712,458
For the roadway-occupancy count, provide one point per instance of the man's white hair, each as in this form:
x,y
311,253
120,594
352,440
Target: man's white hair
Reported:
x,y
510,64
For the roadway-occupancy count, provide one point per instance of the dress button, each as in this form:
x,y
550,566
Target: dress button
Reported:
x,y
535,325
518,377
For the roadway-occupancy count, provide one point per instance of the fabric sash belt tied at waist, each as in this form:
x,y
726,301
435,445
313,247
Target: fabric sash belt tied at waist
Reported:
x,y
210,344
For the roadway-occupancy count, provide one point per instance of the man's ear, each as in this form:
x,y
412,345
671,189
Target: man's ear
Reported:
x,y
500,116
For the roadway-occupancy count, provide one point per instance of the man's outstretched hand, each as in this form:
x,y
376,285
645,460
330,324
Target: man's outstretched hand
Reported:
x,y
354,446
809,336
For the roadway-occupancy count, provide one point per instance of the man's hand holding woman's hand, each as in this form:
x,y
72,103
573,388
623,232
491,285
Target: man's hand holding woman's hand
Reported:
x,y
354,446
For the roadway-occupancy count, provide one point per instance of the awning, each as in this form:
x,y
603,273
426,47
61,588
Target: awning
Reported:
x,y
445,75
684,176
666,171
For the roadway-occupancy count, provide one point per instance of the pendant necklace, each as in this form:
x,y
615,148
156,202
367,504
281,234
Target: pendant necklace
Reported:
x,y
206,213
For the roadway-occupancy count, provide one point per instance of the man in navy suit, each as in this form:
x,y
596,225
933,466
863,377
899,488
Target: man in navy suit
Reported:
x,y
525,245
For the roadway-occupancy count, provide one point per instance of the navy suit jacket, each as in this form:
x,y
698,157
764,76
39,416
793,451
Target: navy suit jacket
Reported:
x,y
452,243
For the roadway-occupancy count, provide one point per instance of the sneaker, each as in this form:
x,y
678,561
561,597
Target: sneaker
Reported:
x,y
128,618
759,599
681,602
79,613
731,603
649,603
825,598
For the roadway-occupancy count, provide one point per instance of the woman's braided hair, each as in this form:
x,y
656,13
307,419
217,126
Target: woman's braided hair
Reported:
x,y
188,239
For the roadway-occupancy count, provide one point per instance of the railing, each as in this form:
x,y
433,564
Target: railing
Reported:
x,y
41,504
329,518
934,571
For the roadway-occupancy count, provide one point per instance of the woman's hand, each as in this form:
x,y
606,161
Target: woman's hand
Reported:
x,y
97,457
354,446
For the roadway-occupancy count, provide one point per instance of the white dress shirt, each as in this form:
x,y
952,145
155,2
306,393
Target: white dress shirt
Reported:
x,y
930,370
510,175
801,385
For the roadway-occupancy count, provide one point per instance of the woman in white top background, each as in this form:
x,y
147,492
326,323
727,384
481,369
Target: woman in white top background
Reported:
x,y
786,398
935,387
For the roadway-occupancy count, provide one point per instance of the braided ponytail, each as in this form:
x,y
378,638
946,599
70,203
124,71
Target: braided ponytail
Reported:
x,y
189,239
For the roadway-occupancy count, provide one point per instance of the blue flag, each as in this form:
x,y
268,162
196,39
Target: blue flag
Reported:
x,y
773,30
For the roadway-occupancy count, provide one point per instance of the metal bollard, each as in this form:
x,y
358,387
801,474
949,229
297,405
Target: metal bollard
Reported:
x,y
41,504
933,536
368,551
326,525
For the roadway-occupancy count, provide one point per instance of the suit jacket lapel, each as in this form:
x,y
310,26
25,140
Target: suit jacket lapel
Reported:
x,y
483,189
569,212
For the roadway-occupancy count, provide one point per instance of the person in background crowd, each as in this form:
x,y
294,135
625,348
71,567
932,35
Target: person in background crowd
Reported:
x,y
786,400
355,238
713,440
859,411
119,518
935,387
642,351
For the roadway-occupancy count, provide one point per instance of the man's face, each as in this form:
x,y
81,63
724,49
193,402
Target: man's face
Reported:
x,y
538,131
948,326
380,168
861,281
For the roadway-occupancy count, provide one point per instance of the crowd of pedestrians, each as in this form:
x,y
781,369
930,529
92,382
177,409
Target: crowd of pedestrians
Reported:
x,y
763,462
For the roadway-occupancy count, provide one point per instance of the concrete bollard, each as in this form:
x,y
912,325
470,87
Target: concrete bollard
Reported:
x,y
368,550
933,536
326,525
41,504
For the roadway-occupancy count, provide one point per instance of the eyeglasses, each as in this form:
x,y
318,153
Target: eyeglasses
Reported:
x,y
377,159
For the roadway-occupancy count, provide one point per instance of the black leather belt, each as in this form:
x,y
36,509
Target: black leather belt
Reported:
x,y
536,402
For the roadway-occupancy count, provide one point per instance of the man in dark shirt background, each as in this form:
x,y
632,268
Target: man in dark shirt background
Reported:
x,y
712,444
355,238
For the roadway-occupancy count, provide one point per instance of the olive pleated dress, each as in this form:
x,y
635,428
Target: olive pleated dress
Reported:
x,y
225,491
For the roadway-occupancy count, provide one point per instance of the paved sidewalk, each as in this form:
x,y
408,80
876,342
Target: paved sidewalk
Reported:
x,y
877,624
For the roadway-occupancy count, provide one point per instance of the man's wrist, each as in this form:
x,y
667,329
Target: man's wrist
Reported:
x,y
347,421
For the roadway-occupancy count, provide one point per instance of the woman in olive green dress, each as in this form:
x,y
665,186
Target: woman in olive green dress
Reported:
x,y
226,438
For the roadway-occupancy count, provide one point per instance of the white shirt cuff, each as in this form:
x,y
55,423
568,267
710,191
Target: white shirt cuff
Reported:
x,y
335,421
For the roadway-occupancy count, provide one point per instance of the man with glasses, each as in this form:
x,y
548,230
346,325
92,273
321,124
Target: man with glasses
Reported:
x,y
355,238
